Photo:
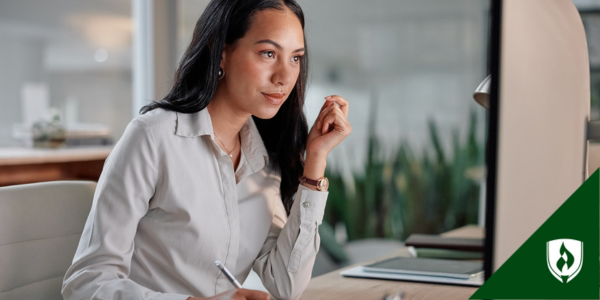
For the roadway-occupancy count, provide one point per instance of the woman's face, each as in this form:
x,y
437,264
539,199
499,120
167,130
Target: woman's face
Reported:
x,y
262,67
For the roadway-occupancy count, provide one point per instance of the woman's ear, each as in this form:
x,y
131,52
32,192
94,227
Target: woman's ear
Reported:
x,y
224,56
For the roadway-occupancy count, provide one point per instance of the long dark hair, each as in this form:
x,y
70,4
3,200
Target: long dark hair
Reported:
x,y
224,22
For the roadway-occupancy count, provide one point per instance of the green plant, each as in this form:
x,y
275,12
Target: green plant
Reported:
x,y
427,193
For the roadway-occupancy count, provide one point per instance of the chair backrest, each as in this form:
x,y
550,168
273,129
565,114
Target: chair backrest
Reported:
x,y
40,227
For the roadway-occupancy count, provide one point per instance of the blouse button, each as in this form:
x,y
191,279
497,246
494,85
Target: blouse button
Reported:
x,y
305,204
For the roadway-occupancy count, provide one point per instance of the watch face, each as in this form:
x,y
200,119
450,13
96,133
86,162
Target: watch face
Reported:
x,y
323,184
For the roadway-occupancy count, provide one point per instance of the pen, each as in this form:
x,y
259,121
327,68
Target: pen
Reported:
x,y
228,274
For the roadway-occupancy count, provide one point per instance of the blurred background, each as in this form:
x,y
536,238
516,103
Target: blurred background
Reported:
x,y
74,73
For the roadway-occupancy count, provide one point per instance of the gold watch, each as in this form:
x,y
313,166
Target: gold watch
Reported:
x,y
322,184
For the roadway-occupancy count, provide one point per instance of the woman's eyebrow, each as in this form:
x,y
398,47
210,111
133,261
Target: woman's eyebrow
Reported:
x,y
267,41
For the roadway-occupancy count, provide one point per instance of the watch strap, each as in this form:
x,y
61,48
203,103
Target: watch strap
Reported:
x,y
304,179
315,183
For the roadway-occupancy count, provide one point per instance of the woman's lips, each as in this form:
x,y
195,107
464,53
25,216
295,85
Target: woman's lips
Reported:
x,y
275,98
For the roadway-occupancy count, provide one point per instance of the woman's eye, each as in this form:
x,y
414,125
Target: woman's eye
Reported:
x,y
296,58
268,54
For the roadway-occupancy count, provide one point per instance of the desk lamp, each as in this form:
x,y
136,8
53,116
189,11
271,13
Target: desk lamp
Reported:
x,y
482,93
482,96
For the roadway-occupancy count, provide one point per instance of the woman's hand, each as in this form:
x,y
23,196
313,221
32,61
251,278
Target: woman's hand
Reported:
x,y
237,294
330,128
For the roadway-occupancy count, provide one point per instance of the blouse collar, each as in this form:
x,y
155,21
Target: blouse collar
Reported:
x,y
200,124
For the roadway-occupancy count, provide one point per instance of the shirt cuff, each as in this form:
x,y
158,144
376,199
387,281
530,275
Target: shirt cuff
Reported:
x,y
309,204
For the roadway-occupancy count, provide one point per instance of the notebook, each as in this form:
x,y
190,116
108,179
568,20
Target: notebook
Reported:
x,y
358,272
428,267
440,242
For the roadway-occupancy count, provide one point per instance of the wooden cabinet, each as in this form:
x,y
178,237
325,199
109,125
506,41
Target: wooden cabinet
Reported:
x,y
25,165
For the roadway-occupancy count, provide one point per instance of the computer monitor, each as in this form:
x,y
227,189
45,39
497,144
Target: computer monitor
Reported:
x,y
539,109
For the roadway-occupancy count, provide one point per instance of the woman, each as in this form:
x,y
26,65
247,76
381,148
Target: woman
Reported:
x,y
216,170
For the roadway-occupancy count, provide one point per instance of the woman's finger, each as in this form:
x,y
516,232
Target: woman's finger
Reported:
x,y
335,117
332,111
326,104
336,123
323,107
322,114
254,294
343,103
329,110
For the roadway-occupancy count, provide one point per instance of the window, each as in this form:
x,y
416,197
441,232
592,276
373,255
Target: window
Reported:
x,y
65,57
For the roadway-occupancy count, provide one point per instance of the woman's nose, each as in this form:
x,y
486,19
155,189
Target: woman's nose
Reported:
x,y
283,74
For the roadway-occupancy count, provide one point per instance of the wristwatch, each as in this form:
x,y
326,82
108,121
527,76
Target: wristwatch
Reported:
x,y
322,184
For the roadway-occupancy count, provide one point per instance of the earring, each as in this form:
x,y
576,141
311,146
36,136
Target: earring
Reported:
x,y
221,73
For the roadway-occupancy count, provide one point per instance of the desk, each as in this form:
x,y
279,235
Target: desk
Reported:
x,y
333,286
28,165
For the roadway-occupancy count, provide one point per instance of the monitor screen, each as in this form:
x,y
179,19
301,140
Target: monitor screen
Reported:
x,y
539,109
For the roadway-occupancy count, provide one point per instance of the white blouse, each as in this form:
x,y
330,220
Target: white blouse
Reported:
x,y
168,204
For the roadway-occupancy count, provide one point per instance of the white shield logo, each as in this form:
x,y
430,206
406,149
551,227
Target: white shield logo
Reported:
x,y
564,258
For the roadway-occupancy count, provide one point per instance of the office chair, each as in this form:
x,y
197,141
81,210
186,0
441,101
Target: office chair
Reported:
x,y
40,227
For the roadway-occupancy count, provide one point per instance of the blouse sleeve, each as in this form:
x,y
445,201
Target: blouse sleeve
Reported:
x,y
102,262
287,257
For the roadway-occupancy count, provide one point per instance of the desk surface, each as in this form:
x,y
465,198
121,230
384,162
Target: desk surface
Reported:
x,y
333,286
24,156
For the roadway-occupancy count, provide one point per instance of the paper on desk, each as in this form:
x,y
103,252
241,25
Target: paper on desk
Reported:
x,y
360,273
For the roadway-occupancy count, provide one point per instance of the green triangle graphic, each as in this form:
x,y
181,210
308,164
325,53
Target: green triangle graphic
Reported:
x,y
527,275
